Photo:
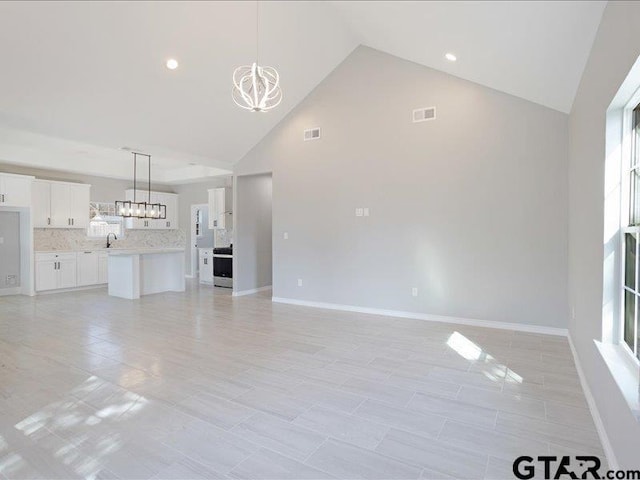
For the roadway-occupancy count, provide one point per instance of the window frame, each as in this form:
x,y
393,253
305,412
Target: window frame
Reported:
x,y
630,163
121,234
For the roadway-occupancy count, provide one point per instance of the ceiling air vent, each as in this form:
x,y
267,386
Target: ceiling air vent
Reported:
x,y
312,134
424,114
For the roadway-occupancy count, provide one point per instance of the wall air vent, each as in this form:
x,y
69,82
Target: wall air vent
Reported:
x,y
424,114
312,134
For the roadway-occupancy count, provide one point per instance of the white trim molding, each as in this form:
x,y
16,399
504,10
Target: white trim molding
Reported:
x,y
595,413
427,317
10,291
242,293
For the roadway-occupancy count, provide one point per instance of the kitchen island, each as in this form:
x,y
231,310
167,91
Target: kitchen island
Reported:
x,y
137,272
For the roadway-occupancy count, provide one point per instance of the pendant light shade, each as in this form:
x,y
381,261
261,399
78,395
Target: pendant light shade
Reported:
x,y
135,209
256,88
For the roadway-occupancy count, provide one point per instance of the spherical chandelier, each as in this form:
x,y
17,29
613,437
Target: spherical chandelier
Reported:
x,y
256,88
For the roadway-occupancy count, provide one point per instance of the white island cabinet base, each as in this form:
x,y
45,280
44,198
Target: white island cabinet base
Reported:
x,y
133,273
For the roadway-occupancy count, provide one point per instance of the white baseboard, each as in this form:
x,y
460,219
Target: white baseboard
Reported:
x,y
593,408
73,289
10,291
424,316
252,291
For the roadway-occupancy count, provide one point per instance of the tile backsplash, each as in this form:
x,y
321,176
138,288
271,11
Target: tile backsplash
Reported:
x,y
223,238
47,239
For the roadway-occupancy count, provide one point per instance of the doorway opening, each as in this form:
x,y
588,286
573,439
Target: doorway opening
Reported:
x,y
201,235
253,224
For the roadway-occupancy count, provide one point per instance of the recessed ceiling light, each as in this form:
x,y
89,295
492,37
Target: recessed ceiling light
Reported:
x,y
451,57
172,64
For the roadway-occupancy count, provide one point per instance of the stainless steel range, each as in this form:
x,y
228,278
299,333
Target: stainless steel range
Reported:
x,y
223,267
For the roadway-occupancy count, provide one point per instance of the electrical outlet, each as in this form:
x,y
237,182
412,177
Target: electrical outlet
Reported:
x,y
365,211
11,280
414,291
359,212
299,282
286,235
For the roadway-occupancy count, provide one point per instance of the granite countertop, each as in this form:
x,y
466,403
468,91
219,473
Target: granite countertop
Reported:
x,y
142,251
121,250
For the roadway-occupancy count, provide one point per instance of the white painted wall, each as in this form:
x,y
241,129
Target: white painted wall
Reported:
x,y
252,249
615,50
471,208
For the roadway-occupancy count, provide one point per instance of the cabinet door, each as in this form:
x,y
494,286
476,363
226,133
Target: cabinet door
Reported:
x,y
103,262
171,201
60,200
15,191
41,204
66,273
87,269
220,208
79,205
216,208
206,268
46,275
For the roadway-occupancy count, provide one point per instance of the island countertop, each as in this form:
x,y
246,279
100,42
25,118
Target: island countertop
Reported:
x,y
143,251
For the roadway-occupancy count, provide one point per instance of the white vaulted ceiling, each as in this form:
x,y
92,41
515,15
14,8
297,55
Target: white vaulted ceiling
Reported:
x,y
80,80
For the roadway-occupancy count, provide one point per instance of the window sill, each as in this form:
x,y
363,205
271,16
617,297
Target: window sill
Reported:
x,y
625,372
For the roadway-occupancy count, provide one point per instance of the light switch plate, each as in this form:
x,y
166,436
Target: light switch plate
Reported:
x,y
359,212
286,235
366,211
414,291
299,282
1,240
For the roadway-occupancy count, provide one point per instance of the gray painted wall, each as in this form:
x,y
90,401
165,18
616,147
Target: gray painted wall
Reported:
x,y
9,248
615,50
471,208
102,189
253,232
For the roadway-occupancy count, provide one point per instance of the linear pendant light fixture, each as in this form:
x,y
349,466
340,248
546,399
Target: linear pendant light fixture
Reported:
x,y
256,88
135,209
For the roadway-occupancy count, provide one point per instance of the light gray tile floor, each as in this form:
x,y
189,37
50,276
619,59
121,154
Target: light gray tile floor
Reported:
x,y
203,385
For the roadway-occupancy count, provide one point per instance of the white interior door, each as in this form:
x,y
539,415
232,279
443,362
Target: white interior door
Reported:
x,y
193,238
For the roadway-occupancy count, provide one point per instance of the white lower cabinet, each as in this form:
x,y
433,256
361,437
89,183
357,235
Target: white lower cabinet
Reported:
x,y
70,269
206,266
55,270
103,262
88,268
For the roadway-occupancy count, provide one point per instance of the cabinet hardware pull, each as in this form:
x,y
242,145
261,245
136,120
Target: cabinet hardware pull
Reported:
x,y
48,220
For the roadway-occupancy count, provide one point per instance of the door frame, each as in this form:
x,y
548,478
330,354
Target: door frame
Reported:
x,y
194,238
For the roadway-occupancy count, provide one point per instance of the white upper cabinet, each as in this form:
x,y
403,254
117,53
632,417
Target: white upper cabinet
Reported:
x,y
220,201
79,198
60,204
168,199
15,190
41,203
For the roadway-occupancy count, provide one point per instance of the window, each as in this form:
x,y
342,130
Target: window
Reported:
x,y
104,220
630,334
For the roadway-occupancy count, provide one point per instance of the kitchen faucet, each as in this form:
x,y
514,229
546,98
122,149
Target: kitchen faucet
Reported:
x,y
115,237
